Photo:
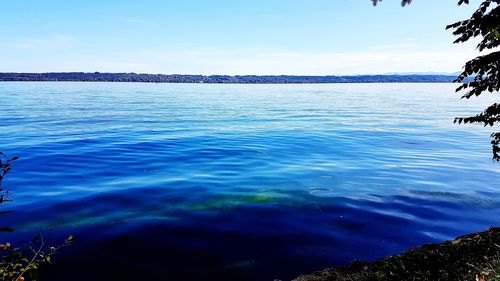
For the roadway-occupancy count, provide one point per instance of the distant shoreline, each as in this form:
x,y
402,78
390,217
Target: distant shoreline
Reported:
x,y
221,79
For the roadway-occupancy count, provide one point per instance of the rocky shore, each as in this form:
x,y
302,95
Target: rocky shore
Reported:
x,y
474,257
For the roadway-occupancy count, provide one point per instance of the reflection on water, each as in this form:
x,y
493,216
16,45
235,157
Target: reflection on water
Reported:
x,y
241,182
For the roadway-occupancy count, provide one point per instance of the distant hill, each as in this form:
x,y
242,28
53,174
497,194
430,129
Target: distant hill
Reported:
x,y
223,79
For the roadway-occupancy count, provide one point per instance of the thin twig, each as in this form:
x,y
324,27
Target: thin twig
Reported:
x,y
42,244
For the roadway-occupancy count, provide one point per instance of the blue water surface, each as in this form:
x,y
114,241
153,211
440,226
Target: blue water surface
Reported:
x,y
240,182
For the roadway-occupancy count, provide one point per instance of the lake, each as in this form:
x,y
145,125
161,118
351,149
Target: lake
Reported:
x,y
240,182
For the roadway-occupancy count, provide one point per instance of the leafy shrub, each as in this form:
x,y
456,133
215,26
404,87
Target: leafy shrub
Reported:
x,y
21,264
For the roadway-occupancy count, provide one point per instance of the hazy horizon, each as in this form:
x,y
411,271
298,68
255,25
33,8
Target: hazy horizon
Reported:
x,y
232,38
222,74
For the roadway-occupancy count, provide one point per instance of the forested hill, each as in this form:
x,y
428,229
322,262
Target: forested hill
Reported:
x,y
221,79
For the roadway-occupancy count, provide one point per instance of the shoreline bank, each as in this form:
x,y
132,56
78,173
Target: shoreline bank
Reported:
x,y
474,256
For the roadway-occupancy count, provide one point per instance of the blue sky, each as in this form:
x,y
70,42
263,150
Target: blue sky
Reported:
x,y
303,37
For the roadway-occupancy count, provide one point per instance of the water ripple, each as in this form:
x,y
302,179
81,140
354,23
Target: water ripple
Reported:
x,y
241,182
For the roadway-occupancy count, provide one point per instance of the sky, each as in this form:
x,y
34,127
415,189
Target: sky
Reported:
x,y
235,37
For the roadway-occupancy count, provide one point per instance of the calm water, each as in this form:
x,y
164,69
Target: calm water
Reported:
x,y
241,182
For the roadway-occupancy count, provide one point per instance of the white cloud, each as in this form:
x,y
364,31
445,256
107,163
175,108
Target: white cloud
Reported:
x,y
52,41
301,63
251,61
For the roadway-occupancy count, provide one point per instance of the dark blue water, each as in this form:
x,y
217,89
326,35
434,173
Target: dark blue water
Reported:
x,y
240,182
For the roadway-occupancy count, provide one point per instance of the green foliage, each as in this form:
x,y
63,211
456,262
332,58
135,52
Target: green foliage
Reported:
x,y
485,69
18,264
481,74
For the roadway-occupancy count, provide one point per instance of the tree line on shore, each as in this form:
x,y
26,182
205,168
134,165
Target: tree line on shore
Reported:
x,y
222,79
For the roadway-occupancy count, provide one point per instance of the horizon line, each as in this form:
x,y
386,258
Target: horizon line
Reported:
x,y
243,75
